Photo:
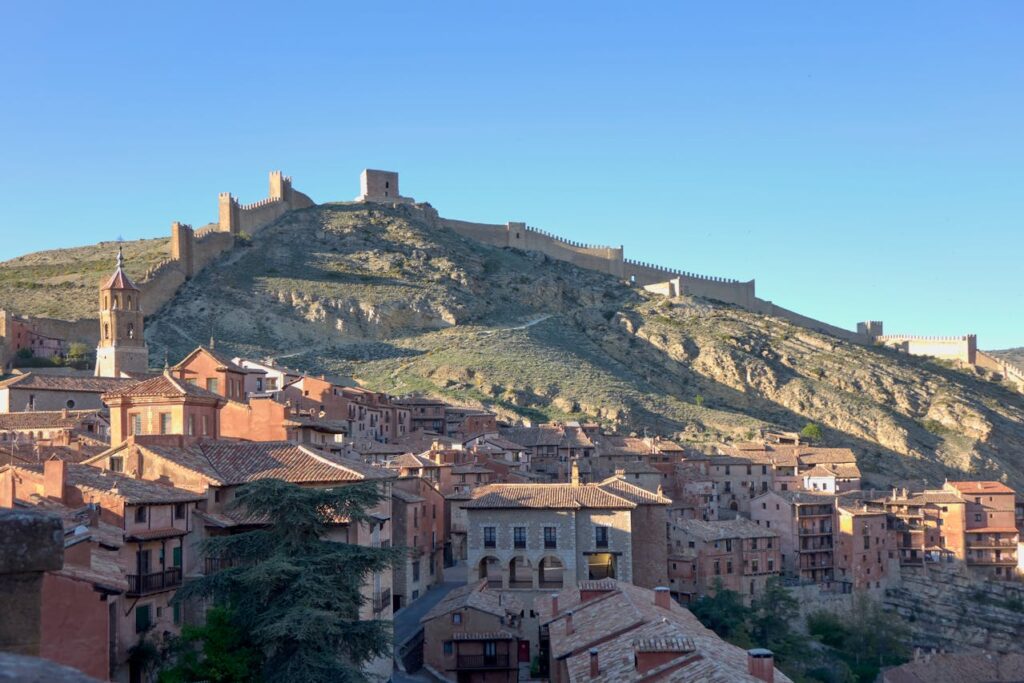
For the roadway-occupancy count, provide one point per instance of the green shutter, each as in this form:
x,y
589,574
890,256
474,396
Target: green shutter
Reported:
x,y
141,618
176,556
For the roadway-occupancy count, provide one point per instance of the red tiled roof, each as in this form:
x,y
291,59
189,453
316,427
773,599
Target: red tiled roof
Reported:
x,y
45,419
164,384
132,491
980,487
120,280
85,384
632,493
556,496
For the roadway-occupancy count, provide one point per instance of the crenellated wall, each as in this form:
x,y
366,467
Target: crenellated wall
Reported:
x,y
963,348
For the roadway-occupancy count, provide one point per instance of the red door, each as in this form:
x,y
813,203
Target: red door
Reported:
x,y
524,651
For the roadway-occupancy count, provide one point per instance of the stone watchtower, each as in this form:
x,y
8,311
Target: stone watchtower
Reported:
x,y
381,187
122,348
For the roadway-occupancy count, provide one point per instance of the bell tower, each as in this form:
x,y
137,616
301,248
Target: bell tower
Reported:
x,y
122,348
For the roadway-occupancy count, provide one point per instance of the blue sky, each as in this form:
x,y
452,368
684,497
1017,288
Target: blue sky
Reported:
x,y
860,160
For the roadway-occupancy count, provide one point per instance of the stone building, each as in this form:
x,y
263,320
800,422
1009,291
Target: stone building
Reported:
x,y
991,536
155,526
615,632
35,391
737,553
475,634
539,536
122,350
865,553
805,522
419,525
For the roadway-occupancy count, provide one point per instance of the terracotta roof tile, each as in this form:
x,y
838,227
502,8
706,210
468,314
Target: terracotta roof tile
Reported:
x,y
980,487
164,384
40,382
556,496
475,596
132,491
632,493
46,419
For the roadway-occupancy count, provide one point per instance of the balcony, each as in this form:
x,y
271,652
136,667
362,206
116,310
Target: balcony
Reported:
x,y
212,565
381,600
482,662
155,582
815,532
982,543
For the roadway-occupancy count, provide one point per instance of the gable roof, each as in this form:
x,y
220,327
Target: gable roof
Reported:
x,y
132,491
475,596
164,385
980,487
552,496
237,462
46,419
85,384
225,362
632,493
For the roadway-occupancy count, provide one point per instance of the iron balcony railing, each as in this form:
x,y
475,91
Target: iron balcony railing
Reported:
x,y
154,582
381,600
482,662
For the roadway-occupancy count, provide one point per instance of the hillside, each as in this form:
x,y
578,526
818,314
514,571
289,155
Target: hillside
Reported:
x,y
61,283
1015,356
387,296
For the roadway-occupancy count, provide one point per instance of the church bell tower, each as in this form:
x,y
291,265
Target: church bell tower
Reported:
x,y
122,349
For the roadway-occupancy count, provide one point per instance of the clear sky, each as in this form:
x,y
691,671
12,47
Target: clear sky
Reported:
x,y
860,160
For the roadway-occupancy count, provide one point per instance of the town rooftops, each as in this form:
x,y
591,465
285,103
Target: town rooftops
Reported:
x,y
980,487
475,596
633,493
164,385
85,384
839,471
225,363
722,529
45,419
132,491
225,463
412,461
551,496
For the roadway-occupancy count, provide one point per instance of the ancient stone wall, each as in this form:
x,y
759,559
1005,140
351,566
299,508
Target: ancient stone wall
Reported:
x,y
963,348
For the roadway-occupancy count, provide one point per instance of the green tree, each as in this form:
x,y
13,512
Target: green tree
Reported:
x,y
293,594
723,612
812,432
771,614
699,400
828,628
876,639
224,655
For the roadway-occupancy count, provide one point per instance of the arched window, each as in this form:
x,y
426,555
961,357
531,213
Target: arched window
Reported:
x,y
106,331
129,305
131,331
115,301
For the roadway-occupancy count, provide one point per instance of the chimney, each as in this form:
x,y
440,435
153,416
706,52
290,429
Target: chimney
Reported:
x,y
54,477
569,628
7,489
761,664
574,476
662,598
554,604
595,668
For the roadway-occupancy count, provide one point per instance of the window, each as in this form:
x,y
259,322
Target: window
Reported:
x,y
728,567
753,544
519,537
179,511
867,542
165,423
206,425
753,565
116,463
191,425
718,568
212,385
490,649
140,514
135,424
456,617
550,537
601,536
728,545
216,495
416,570
771,564
448,648
176,556
769,541
142,618
70,403
416,518
490,539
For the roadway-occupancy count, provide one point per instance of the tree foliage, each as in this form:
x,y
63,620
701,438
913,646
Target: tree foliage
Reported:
x,y
722,611
223,655
293,594
812,432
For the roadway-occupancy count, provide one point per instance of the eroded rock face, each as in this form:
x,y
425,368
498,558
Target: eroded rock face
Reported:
x,y
390,297
949,610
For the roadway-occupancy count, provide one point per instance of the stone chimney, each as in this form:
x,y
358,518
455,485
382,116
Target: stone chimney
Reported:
x,y
595,668
54,477
554,604
761,664
662,597
569,628
574,476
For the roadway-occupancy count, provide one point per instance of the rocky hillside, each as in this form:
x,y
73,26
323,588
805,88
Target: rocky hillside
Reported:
x,y
1015,356
402,305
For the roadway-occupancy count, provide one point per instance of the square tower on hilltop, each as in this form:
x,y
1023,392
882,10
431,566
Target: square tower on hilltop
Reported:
x,y
380,186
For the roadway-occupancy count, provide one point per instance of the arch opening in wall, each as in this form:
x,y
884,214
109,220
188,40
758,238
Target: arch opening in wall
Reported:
x,y
520,572
552,572
490,569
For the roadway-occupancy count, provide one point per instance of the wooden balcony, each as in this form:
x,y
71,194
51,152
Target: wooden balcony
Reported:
x,y
154,582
